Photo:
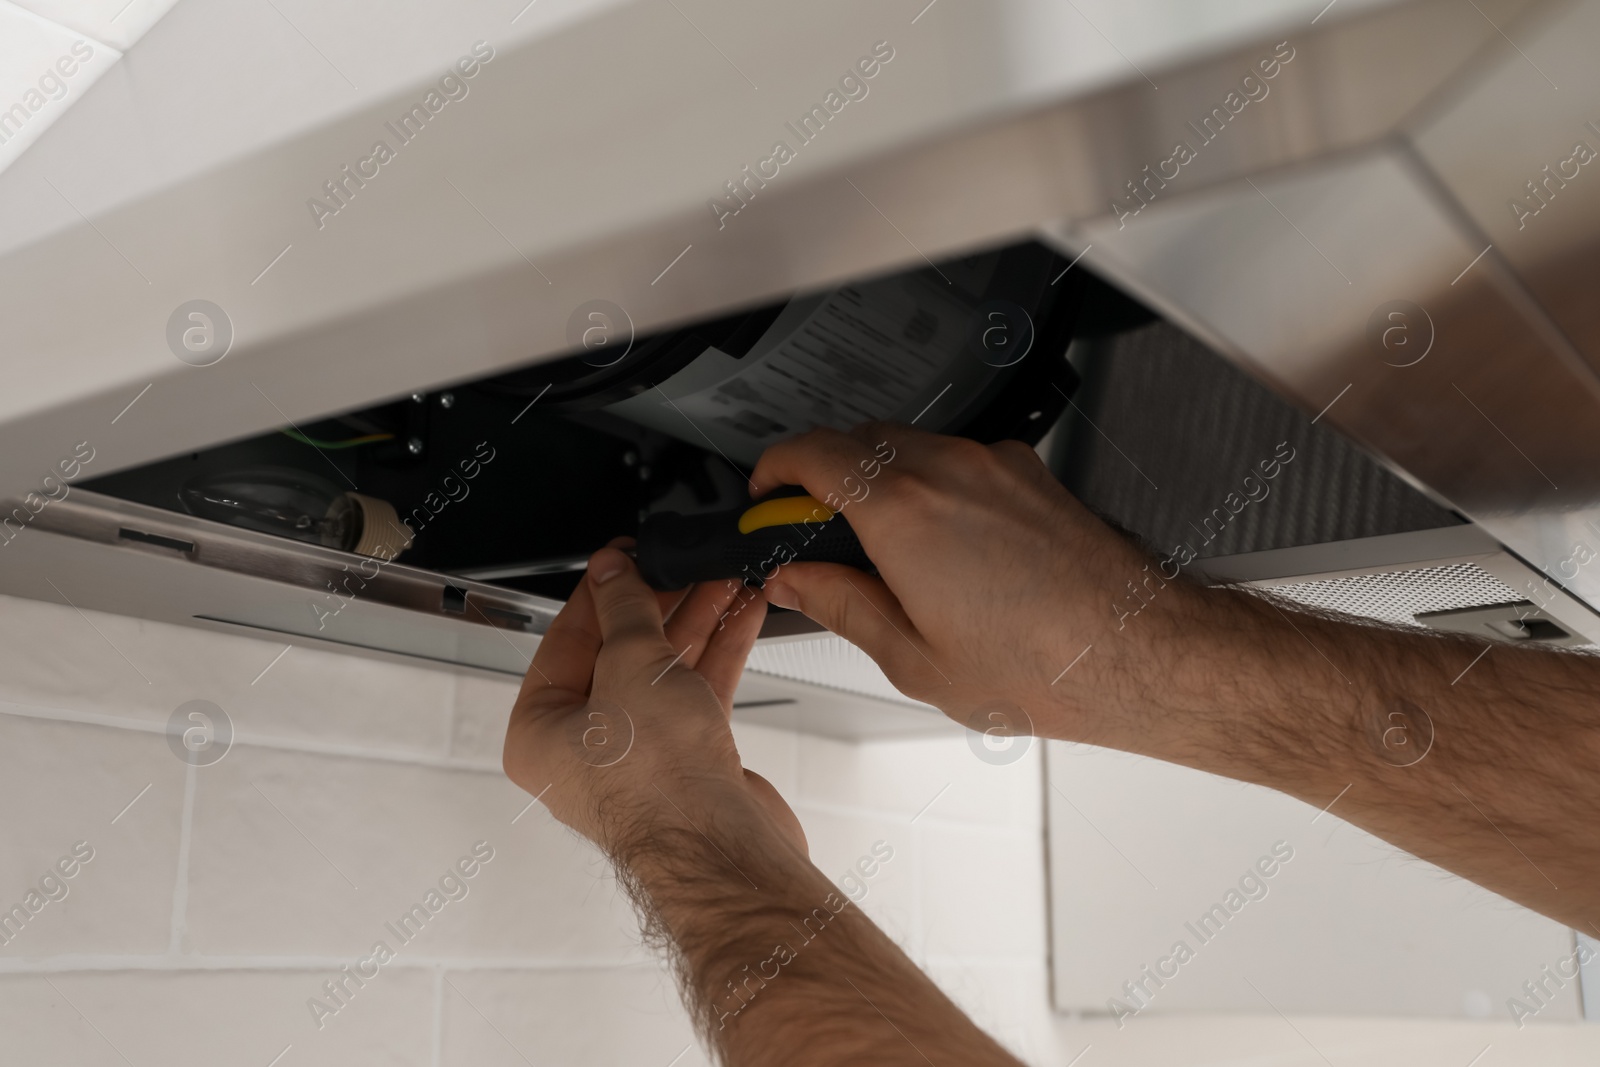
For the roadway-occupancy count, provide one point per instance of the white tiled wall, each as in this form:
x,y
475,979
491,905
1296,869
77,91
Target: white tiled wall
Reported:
x,y
225,896
221,898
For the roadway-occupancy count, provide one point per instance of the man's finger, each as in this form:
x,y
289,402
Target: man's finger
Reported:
x,y
827,463
566,653
667,601
671,602
862,610
701,615
627,609
728,646
904,446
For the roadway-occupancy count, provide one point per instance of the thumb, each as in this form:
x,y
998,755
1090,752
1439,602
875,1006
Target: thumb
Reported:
x,y
861,609
626,608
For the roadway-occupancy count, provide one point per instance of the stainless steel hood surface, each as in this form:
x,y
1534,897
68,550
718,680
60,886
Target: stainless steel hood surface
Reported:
x,y
1375,166
1491,403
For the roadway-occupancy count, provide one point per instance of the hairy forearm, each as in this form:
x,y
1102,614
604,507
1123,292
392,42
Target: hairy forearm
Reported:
x,y
776,966
1489,773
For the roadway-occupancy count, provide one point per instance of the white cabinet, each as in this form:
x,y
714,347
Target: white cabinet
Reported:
x,y
1145,856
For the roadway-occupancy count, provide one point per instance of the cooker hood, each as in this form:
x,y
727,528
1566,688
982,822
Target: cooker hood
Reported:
x,y
1372,227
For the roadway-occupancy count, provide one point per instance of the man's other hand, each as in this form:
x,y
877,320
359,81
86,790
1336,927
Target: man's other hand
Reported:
x,y
622,721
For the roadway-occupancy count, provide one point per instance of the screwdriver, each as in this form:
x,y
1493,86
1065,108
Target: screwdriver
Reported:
x,y
674,550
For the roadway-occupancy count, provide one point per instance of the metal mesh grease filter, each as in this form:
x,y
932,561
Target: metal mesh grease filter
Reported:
x,y
1164,410
827,661
1397,596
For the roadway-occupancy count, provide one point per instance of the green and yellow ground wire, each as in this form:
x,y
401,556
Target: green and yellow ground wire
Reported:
x,y
352,442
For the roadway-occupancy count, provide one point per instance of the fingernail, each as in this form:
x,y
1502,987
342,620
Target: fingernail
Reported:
x,y
606,564
782,596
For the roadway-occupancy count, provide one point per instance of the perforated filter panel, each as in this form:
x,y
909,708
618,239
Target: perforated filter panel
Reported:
x,y
1397,596
828,661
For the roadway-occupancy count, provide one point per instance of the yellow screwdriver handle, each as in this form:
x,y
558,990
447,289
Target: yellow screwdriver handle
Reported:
x,y
784,511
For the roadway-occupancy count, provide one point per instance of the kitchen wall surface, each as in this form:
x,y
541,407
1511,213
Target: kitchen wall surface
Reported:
x,y
211,909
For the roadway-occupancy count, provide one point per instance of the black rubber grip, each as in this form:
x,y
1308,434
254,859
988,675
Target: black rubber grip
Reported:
x,y
676,550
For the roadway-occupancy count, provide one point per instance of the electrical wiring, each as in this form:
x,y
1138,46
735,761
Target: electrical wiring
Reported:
x,y
367,439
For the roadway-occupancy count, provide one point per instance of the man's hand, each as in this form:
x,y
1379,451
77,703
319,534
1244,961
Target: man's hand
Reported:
x,y
624,715
622,728
994,579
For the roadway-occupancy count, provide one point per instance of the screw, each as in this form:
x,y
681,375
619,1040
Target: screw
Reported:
x,y
629,458
414,446
644,474
447,400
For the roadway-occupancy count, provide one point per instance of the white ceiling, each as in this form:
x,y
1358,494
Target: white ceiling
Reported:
x,y
51,51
